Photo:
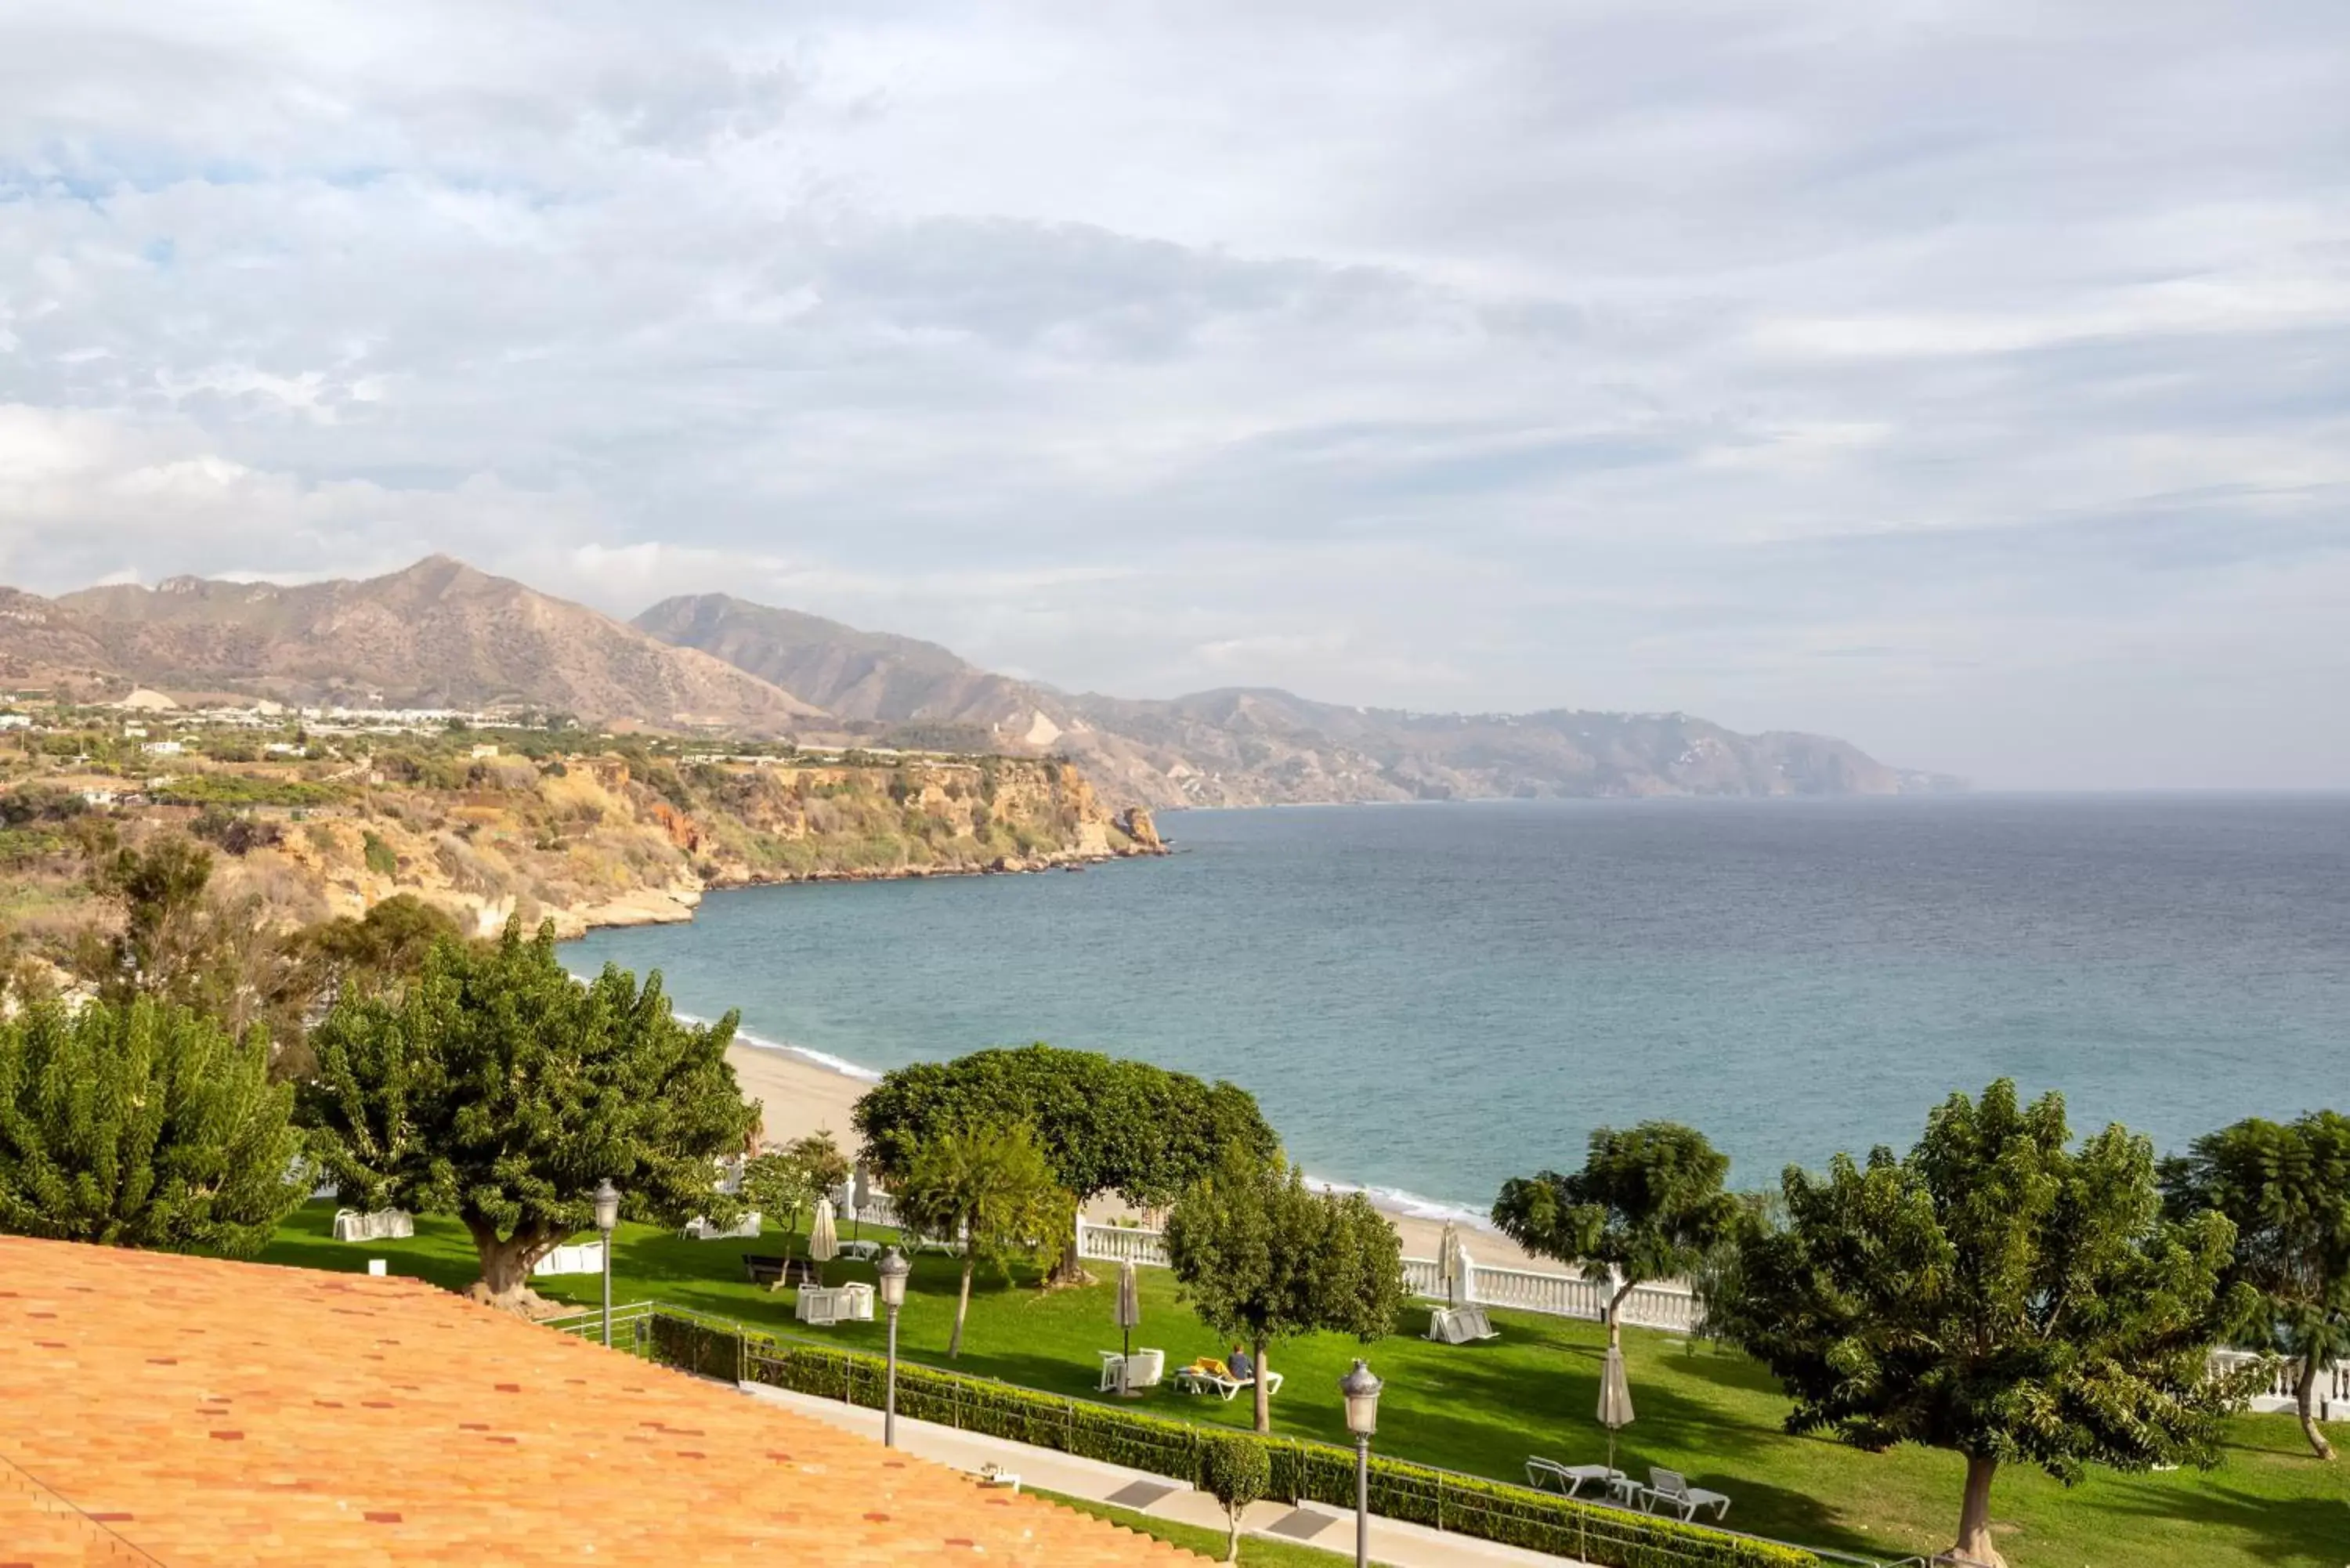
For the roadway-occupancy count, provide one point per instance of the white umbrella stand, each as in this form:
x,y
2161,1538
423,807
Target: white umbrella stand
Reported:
x,y
824,1241
1130,1318
1615,1399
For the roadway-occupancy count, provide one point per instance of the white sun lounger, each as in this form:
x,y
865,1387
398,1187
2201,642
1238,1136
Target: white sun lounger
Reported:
x,y
1672,1489
1549,1475
1191,1382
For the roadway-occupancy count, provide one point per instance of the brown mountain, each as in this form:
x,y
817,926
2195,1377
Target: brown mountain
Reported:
x,y
1259,747
857,675
439,634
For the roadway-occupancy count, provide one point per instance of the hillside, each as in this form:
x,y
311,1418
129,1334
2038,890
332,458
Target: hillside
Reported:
x,y
438,635
584,838
1255,747
851,674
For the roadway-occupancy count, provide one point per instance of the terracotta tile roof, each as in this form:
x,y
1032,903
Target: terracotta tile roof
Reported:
x,y
197,1412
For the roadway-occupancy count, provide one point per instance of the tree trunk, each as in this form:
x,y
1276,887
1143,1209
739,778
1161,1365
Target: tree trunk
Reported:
x,y
505,1267
1616,1314
962,1304
1232,1537
2312,1365
1070,1268
1263,1398
1975,1547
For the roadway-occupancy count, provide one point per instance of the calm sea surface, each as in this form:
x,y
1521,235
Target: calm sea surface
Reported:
x,y
1428,999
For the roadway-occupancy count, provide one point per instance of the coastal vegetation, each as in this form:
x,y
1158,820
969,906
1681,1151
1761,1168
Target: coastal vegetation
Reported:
x,y
989,1185
1999,1293
496,1089
142,1124
2285,1186
1648,1204
302,828
1103,1124
1263,1258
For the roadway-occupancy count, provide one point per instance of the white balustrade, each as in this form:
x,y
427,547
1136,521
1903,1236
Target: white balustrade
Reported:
x,y
578,1258
1121,1244
2282,1389
1661,1304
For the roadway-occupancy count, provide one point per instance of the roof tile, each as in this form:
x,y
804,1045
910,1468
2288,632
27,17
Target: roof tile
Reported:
x,y
116,1451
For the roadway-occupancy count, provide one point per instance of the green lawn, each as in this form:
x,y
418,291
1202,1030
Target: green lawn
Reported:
x,y
1256,1551
1483,1408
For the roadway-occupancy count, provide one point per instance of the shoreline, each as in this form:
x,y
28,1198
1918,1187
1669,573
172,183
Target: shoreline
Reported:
x,y
802,1091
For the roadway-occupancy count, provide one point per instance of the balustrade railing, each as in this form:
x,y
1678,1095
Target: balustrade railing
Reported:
x,y
1660,1305
2283,1390
1121,1244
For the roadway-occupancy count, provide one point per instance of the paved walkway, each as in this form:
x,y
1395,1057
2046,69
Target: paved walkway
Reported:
x,y
1312,1524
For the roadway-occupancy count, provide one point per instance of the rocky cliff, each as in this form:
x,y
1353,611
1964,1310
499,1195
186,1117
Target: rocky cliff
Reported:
x,y
604,839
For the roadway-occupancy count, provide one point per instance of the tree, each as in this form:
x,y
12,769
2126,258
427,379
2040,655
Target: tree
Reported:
x,y
777,1186
1997,1294
1104,1124
496,1089
1236,1472
2285,1186
1261,1258
1648,1203
161,892
143,1124
991,1184
821,1159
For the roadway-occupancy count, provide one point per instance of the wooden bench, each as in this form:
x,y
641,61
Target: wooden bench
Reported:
x,y
772,1272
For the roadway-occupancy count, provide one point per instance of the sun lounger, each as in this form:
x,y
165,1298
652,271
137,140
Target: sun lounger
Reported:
x,y
1194,1380
1671,1488
1549,1475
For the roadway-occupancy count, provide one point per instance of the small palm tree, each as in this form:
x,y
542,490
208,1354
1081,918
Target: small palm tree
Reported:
x,y
991,1185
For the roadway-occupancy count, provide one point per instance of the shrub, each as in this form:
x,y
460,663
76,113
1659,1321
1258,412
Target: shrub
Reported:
x,y
1235,1471
1297,1469
380,856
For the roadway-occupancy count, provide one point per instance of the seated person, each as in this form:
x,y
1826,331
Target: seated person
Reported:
x,y
1243,1369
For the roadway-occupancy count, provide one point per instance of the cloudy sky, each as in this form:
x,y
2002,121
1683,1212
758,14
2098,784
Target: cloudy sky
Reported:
x,y
1969,378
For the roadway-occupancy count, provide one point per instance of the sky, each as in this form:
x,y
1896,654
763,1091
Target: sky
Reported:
x,y
1968,380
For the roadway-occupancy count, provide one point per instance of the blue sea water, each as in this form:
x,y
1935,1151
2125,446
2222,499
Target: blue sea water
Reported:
x,y
1426,999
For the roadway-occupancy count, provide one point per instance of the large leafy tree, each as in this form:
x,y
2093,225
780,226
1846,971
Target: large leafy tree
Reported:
x,y
139,1123
1997,1292
496,1089
1648,1203
1104,1124
990,1185
2285,1186
1263,1258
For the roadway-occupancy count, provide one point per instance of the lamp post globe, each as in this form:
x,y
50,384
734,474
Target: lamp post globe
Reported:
x,y
607,1218
1361,1388
892,1271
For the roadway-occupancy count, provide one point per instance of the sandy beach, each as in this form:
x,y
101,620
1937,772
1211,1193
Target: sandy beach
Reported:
x,y
798,1096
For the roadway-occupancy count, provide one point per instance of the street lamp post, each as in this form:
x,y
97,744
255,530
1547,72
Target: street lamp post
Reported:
x,y
1362,1391
608,1216
893,1270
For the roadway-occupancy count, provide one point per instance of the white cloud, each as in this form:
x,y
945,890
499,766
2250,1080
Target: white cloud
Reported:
x,y
1918,370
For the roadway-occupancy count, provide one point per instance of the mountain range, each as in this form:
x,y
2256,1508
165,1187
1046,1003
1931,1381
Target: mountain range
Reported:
x,y
441,634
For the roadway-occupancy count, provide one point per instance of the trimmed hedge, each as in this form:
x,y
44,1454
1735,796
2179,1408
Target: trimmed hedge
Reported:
x,y
1302,1471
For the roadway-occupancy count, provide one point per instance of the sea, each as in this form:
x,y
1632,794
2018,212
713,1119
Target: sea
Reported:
x,y
1429,999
